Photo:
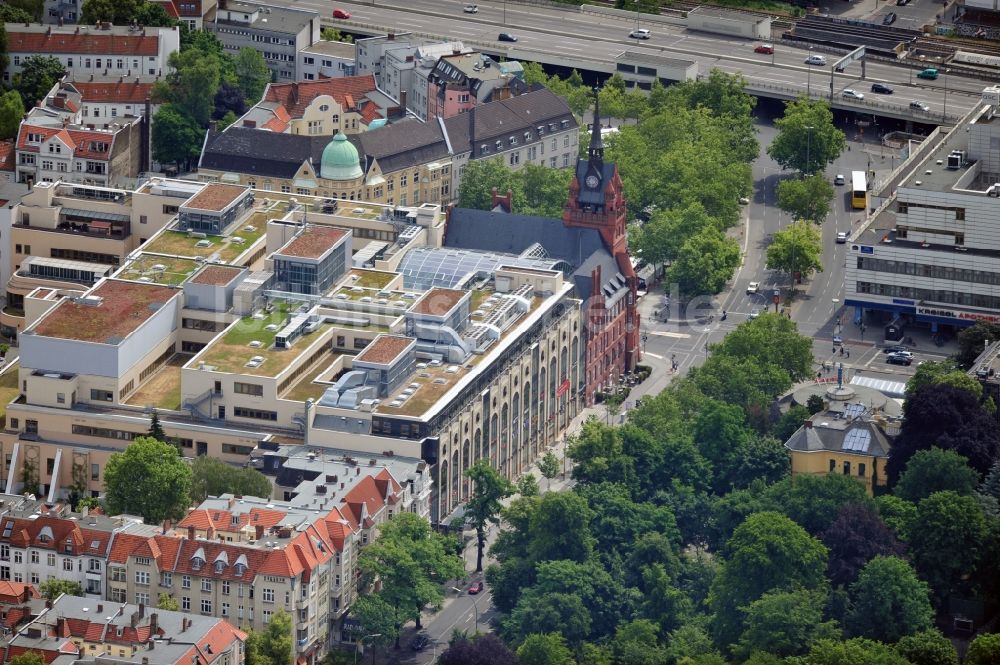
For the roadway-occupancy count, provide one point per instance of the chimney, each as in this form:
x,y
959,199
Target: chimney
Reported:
x,y
250,124
166,526
145,661
60,21
142,610
151,642
154,623
134,619
48,604
259,531
808,424
145,137
185,622
402,102
191,533
210,533
391,36
100,607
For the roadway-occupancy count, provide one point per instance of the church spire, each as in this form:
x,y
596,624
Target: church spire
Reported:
x,y
596,152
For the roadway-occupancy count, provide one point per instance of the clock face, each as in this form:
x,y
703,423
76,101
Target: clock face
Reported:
x,y
592,181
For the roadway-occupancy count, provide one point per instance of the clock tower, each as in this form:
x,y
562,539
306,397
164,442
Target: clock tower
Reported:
x,y
597,201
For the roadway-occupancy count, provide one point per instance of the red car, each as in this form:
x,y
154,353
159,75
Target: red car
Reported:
x,y
341,13
475,588
764,48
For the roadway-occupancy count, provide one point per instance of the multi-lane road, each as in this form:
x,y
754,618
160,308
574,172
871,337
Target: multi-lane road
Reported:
x,y
569,36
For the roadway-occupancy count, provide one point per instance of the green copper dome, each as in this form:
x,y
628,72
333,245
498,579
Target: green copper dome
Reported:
x,y
340,160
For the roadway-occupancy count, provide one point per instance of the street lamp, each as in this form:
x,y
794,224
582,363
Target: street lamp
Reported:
x,y
361,643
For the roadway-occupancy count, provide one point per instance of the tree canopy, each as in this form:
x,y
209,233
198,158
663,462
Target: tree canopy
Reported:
x,y
483,508
888,601
148,478
807,139
11,113
936,470
855,537
37,76
210,476
797,248
806,199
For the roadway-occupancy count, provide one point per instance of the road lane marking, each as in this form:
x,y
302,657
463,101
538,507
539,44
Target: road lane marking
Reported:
x,y
675,335
653,355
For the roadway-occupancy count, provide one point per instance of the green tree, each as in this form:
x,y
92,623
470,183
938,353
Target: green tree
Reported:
x,y
118,12
11,14
480,177
815,404
549,467
527,485
155,428
888,601
636,643
177,138
942,373
412,562
984,650
790,422
483,508
807,139
52,588
796,249
331,34
660,239
167,602
252,74
547,649
936,470
11,112
896,513
705,262
376,619
210,476
38,74
856,651
814,502
559,528
193,83
273,645
148,478
153,14
545,189
807,199
946,537
928,647
973,340
28,658
4,59
785,623
781,554
226,120
991,483
770,340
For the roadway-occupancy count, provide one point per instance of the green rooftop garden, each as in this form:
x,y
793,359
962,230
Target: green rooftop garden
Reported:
x,y
159,269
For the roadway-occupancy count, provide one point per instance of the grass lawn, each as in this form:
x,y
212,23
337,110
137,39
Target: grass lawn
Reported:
x,y
163,389
304,388
176,269
372,279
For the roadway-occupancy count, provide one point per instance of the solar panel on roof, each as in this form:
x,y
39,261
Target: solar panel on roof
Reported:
x,y
857,440
854,410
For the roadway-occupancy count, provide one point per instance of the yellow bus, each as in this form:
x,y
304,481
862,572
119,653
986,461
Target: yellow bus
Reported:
x,y
859,190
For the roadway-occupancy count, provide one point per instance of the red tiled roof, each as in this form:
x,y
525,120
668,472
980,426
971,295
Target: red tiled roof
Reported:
x,y
28,533
222,520
81,141
123,546
169,7
370,112
15,616
7,155
84,43
125,92
295,97
279,122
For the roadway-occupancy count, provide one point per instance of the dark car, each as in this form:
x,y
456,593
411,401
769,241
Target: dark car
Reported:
x,y
889,18
902,3
898,359
882,89
475,588
895,348
420,642
506,37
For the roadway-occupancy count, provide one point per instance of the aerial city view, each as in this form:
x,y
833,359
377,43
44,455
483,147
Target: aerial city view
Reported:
x,y
509,332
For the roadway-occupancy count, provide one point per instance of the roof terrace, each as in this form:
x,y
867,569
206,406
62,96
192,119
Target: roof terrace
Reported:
x,y
221,248
106,315
158,269
247,346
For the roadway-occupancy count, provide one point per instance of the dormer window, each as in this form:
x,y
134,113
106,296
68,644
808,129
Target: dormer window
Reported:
x,y
197,563
239,569
35,138
499,145
219,567
483,149
527,136
513,140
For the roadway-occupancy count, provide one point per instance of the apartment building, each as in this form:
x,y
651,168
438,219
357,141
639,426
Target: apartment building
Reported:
x,y
279,33
98,102
65,237
536,127
104,50
326,60
459,81
928,256
76,630
325,107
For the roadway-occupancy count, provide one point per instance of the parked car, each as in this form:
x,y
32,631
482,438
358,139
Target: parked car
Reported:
x,y
341,13
889,18
506,37
841,237
816,60
744,200
754,313
898,359
840,179
838,340
851,93
902,3
881,88
894,348
420,642
639,33
930,73
471,9
767,49
752,288
475,588
919,106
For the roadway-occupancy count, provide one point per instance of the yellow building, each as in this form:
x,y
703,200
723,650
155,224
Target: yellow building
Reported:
x,y
844,442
